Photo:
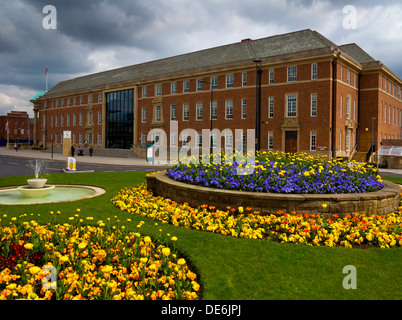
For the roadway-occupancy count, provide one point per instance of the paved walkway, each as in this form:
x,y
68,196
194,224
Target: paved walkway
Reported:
x,y
37,154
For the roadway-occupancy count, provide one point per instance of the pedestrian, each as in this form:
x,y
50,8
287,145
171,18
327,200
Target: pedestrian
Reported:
x,y
91,151
72,151
85,143
16,146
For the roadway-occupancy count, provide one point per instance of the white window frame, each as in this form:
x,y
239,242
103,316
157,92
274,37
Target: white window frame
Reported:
x,y
229,109
270,140
214,110
198,109
313,105
229,80
314,72
144,114
313,140
291,110
173,112
271,106
186,112
271,79
243,108
292,73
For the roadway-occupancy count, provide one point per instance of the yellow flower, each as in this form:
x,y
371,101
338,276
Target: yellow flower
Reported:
x,y
82,245
181,261
173,238
12,286
324,205
147,239
106,269
241,209
28,246
34,270
166,251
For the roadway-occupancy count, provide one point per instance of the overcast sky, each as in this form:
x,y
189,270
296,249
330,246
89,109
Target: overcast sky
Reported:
x,y
98,35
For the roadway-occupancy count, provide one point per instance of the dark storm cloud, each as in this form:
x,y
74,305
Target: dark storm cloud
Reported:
x,y
95,35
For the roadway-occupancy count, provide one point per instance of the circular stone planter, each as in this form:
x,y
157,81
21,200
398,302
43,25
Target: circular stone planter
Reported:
x,y
384,201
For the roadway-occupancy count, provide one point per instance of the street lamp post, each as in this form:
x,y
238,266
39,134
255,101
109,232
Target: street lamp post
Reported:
x,y
372,135
258,72
210,112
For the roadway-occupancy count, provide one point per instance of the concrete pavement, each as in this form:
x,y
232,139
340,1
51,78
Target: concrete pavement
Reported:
x,y
37,154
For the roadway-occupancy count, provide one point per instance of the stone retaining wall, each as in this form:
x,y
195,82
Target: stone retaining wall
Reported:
x,y
383,201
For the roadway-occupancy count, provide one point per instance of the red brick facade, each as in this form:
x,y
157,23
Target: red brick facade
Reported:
x,y
326,108
20,128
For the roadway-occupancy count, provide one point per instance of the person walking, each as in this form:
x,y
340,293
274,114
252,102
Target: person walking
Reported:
x,y
72,151
91,151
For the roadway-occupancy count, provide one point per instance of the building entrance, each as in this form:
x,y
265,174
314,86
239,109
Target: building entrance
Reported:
x,y
291,141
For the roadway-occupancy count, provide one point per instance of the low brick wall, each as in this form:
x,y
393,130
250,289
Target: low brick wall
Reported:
x,y
383,201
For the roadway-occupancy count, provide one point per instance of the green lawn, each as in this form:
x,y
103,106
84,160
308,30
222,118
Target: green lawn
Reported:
x,y
231,268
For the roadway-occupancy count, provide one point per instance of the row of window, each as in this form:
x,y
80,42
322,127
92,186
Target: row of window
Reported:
x,y
229,82
89,139
390,114
291,109
67,117
74,101
228,139
389,87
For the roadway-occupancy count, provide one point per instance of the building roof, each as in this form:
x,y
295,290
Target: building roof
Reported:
x,y
357,53
37,96
230,55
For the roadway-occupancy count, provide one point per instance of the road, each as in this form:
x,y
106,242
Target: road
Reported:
x,y
15,166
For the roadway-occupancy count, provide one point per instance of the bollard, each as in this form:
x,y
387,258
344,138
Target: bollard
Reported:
x,y
71,164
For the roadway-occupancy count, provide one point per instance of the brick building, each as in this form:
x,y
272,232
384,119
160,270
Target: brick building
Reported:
x,y
19,125
300,91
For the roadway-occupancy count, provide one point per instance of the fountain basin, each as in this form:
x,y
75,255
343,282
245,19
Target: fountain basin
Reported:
x,y
60,193
36,183
35,192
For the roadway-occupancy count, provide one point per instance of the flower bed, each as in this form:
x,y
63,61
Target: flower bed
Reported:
x,y
281,173
91,262
383,231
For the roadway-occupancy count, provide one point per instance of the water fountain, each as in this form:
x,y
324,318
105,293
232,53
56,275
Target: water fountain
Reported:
x,y
37,191
36,188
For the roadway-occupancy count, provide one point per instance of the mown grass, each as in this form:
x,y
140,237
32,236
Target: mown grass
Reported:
x,y
231,268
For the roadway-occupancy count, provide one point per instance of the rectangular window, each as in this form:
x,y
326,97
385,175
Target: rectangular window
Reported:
x,y
385,113
270,107
158,113
99,138
173,139
186,112
199,111
200,84
292,74
348,76
228,109
229,81
68,101
347,107
214,110
100,97
173,88
143,138
271,76
173,112
99,117
244,79
81,99
243,108
341,106
90,138
313,104
214,82
89,117
90,98
313,140
68,119
186,86
81,118
75,101
62,120
158,89
228,140
143,114
80,138
74,138
74,119
56,138
57,120
291,106
340,141
199,139
270,140
347,146
313,71
62,102
144,91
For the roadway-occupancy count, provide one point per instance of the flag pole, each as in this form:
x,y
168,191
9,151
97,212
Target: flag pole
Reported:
x,y
46,78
